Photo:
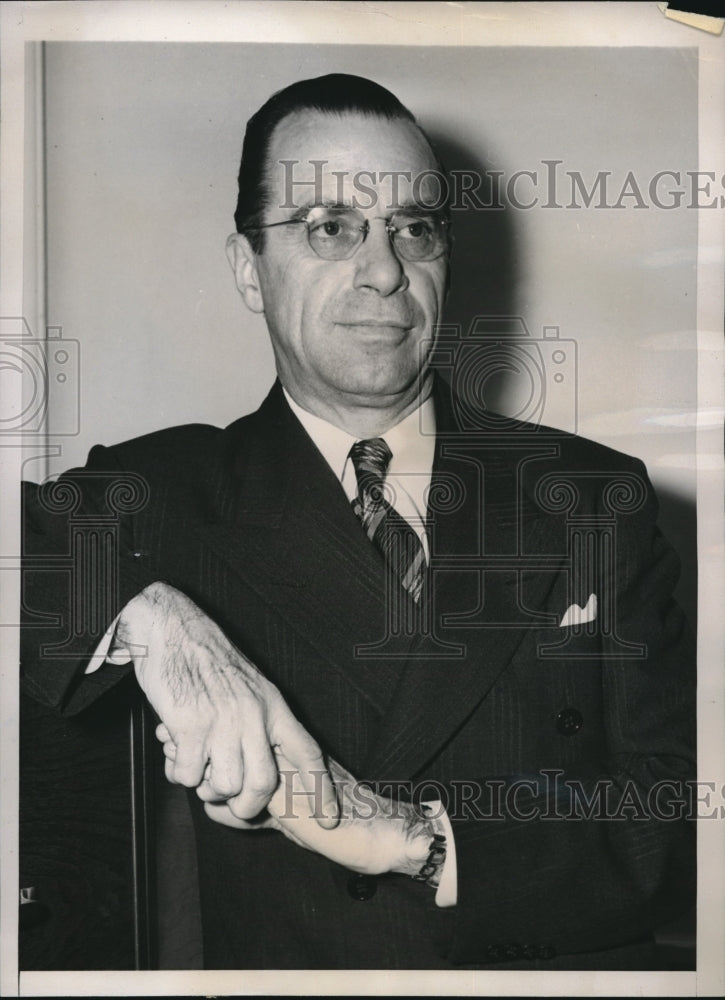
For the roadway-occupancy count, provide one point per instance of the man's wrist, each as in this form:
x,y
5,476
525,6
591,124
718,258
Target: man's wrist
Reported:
x,y
108,649
137,618
424,849
117,645
123,641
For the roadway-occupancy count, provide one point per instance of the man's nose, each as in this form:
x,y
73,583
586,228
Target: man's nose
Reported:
x,y
376,264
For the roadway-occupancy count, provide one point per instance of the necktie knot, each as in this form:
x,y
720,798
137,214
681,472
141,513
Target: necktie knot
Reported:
x,y
370,459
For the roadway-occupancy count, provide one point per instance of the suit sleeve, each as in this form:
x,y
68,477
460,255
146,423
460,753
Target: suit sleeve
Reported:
x,y
577,860
79,569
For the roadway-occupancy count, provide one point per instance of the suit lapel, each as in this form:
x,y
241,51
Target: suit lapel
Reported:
x,y
284,525
479,517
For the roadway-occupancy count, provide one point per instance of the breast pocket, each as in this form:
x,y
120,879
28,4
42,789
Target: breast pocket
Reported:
x,y
569,642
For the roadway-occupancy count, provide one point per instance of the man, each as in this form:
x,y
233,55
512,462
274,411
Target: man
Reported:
x,y
421,665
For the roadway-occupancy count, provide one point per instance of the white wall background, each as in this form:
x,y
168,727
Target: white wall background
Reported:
x,y
142,149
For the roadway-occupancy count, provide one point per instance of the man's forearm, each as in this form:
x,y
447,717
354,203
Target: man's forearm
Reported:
x,y
375,835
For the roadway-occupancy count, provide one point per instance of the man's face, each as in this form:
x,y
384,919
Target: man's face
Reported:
x,y
348,333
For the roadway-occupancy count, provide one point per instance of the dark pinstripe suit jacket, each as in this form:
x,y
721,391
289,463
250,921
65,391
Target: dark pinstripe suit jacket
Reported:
x,y
516,721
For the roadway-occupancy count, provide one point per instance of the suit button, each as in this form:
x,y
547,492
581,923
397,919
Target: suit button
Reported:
x,y
361,887
569,721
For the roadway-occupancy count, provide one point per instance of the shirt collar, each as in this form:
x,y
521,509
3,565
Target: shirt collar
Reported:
x,y
412,441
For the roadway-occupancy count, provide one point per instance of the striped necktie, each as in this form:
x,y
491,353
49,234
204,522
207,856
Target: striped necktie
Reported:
x,y
384,526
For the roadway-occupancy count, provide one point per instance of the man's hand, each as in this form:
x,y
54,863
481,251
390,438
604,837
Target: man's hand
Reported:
x,y
375,834
222,716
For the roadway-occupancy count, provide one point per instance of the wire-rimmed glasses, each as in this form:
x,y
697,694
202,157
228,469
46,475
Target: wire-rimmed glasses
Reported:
x,y
337,232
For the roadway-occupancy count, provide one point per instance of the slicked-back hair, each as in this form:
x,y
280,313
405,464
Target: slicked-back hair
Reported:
x,y
336,93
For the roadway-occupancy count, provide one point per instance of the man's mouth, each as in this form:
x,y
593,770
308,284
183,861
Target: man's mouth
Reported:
x,y
385,324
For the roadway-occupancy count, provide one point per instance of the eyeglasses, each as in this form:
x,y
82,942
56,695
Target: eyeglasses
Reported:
x,y
337,233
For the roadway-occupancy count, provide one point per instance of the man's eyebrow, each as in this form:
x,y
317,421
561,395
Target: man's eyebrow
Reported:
x,y
408,207
339,206
415,208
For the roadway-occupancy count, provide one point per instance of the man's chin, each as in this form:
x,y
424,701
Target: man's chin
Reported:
x,y
381,387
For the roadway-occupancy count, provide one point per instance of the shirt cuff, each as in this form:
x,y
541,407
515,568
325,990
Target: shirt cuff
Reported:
x,y
101,653
447,891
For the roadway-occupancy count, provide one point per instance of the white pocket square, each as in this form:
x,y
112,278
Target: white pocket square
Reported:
x,y
580,616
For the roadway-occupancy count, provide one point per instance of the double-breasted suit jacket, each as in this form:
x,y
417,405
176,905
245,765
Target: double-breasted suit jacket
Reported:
x,y
558,749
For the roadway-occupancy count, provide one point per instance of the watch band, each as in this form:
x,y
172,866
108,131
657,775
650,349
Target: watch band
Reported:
x,y
432,867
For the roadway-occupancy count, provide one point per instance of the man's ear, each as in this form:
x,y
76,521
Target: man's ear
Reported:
x,y
244,264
